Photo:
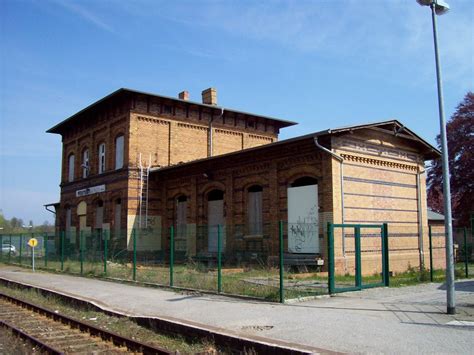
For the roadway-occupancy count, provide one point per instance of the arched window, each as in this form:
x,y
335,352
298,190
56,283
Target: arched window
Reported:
x,y
99,214
181,222
215,218
254,210
303,216
101,158
70,176
119,152
85,163
304,181
68,218
118,218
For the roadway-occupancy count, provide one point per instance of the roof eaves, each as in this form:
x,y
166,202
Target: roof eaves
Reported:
x,y
54,129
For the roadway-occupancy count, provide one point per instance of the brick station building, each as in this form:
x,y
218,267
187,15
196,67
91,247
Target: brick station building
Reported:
x,y
145,161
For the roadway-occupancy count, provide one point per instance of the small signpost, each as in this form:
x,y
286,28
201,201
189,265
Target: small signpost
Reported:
x,y
33,242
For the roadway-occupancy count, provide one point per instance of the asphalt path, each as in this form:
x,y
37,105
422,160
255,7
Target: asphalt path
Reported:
x,y
381,320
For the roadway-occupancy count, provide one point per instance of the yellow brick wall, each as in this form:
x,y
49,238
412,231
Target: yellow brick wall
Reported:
x,y
380,185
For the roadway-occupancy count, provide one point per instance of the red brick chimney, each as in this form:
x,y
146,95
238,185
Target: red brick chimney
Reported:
x,y
209,96
183,95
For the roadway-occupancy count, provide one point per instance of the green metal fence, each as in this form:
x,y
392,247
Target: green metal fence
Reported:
x,y
231,259
194,257
463,252
358,278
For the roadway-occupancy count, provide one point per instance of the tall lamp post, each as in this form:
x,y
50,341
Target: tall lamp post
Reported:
x,y
439,7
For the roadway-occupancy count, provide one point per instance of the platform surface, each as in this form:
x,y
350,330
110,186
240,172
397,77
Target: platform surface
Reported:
x,y
383,320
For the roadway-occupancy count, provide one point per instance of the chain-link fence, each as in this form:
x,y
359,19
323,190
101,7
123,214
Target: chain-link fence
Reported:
x,y
274,261
225,259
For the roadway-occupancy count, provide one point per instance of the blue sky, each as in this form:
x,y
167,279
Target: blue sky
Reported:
x,y
321,63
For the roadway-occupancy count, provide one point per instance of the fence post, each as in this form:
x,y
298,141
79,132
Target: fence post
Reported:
x,y
282,294
106,237
386,260
330,241
219,260
61,235
134,232
430,235
81,251
45,245
171,255
358,258
21,247
466,264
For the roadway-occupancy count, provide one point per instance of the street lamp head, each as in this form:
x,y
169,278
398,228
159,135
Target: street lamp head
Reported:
x,y
440,6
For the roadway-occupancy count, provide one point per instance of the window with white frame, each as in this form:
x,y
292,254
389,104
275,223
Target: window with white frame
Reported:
x,y
101,158
254,211
70,176
85,163
119,152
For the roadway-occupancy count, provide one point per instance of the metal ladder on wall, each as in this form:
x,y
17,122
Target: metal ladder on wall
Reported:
x,y
143,200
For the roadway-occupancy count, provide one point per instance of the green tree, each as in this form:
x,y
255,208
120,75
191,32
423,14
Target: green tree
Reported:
x,y
460,132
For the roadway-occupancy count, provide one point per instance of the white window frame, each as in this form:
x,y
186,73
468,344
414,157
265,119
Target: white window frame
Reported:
x,y
85,163
70,167
119,150
101,158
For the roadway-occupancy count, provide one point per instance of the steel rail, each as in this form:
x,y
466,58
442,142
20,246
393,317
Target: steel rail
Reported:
x,y
30,338
106,335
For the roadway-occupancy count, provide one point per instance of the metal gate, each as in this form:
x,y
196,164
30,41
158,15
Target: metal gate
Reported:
x,y
357,283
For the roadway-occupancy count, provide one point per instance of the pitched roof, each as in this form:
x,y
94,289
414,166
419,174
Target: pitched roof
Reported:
x,y
394,127
58,128
434,216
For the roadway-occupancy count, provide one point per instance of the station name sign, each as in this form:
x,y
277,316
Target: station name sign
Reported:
x,y
90,190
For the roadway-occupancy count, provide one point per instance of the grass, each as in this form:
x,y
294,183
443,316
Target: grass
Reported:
x,y
123,326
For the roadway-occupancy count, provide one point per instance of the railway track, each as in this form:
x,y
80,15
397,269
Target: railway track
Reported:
x,y
59,334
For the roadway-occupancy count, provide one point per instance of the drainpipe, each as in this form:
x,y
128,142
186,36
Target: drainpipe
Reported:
x,y
420,218
210,132
341,177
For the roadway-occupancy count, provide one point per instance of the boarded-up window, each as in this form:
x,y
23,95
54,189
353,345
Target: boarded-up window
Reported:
x,y
254,211
181,216
303,216
71,168
117,217
215,219
99,216
68,219
119,152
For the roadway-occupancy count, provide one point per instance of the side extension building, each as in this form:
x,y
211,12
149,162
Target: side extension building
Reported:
x,y
135,160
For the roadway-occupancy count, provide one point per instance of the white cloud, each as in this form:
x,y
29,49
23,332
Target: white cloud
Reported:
x,y
393,33
89,16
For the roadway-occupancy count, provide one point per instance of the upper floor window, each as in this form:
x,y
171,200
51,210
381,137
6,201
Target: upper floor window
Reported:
x,y
119,152
70,174
85,163
101,158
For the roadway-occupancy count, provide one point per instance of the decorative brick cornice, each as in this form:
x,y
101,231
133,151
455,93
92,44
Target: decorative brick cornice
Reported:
x,y
231,133
377,162
152,119
260,137
191,126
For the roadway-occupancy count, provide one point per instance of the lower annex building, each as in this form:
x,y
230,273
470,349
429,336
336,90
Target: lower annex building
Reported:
x,y
144,162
